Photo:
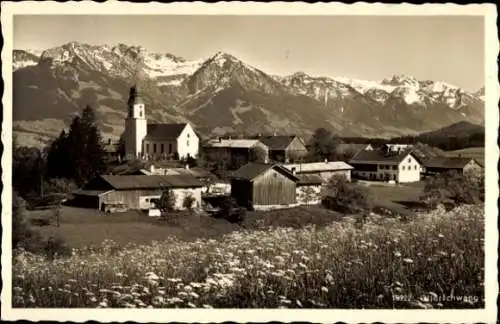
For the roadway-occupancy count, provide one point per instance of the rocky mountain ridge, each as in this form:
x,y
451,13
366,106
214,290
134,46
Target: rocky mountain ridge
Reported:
x,y
223,94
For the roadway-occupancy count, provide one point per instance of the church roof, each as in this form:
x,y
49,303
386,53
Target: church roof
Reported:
x,y
164,131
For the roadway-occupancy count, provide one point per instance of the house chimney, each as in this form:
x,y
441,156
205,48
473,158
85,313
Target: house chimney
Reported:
x,y
152,168
220,139
229,137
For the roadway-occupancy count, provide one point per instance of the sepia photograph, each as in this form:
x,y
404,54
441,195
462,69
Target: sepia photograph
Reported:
x,y
245,161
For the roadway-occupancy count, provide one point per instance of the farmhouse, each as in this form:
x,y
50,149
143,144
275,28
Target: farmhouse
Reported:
x,y
461,165
156,140
262,186
137,191
380,165
325,170
241,150
285,148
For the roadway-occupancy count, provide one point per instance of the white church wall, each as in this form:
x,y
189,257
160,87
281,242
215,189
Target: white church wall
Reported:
x,y
188,143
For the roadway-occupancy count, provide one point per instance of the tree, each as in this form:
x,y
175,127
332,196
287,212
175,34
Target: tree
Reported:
x,y
188,202
346,196
28,170
78,154
322,145
167,201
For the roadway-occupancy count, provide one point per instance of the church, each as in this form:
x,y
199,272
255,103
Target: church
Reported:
x,y
146,140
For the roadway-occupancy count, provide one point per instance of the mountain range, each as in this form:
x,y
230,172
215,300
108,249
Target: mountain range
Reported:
x,y
221,94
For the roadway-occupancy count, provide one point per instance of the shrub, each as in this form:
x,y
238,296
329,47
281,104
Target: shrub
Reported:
x,y
54,246
348,197
452,188
231,211
188,202
60,186
167,201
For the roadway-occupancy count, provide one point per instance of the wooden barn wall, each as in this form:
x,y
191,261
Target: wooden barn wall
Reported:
x,y
129,197
273,188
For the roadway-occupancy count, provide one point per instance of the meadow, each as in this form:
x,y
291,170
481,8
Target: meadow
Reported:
x,y
381,263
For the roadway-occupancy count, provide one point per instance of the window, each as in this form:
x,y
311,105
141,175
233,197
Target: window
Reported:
x,y
154,148
170,148
188,135
162,148
403,168
415,167
187,143
147,148
140,113
409,160
394,167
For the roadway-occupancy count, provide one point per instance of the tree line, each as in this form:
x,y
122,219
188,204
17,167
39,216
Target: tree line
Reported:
x,y
70,160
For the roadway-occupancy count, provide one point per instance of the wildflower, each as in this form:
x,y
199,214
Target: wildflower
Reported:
x,y
191,305
194,295
324,289
207,306
298,303
151,276
408,260
397,254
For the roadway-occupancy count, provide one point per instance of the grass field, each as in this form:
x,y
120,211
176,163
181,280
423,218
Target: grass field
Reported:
x,y
400,198
80,227
384,263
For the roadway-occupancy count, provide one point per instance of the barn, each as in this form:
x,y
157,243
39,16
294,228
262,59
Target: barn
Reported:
x,y
263,186
137,191
325,170
460,165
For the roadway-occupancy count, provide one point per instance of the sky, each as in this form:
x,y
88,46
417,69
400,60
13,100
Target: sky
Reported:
x,y
439,48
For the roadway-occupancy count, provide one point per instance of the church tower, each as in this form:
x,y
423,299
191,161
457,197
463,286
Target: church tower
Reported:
x,y
135,124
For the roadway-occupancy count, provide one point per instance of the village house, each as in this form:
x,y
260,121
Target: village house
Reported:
x,y
325,170
460,165
137,191
285,148
143,140
237,150
263,186
386,166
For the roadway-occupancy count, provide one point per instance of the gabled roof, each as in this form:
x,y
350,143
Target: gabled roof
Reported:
x,y
91,193
121,182
164,131
251,170
380,157
448,162
232,143
278,142
318,166
309,179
